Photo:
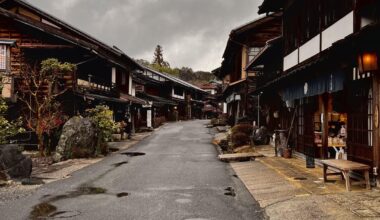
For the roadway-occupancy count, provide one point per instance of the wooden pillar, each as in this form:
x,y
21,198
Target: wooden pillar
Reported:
x,y
376,130
325,129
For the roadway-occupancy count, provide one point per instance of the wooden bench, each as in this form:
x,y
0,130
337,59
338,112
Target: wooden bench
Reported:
x,y
346,166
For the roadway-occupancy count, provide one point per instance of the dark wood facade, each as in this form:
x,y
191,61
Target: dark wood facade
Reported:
x,y
243,45
323,76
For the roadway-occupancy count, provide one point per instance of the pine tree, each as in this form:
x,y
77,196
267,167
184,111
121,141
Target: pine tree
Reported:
x,y
158,58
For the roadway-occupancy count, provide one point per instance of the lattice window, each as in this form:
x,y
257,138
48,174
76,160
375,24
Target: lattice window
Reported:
x,y
301,119
3,57
252,52
370,118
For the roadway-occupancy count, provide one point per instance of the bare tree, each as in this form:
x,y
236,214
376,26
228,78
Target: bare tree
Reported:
x,y
38,89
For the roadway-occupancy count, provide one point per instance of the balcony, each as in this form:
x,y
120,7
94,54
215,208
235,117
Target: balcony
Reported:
x,y
95,86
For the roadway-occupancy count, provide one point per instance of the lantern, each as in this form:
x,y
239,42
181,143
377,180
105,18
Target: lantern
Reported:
x,y
368,62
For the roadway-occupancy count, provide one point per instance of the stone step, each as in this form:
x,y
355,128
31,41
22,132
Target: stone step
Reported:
x,y
239,157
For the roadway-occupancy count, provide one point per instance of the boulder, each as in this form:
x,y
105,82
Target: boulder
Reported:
x,y
79,139
13,164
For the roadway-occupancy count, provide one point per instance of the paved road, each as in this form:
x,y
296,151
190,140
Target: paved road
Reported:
x,y
179,177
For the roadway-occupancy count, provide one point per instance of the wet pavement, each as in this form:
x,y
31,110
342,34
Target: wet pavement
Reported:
x,y
173,174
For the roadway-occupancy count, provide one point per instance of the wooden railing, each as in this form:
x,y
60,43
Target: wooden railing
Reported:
x,y
91,85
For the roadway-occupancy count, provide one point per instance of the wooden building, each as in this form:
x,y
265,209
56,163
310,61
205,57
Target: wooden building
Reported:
x,y
243,45
104,73
329,77
170,98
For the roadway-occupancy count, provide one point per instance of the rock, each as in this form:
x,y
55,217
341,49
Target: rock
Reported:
x,y
13,164
221,129
78,139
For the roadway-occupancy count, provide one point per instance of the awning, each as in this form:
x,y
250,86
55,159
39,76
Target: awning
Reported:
x,y
157,101
272,48
132,99
197,101
325,83
103,98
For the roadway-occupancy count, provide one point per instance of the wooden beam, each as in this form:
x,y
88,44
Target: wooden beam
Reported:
x,y
44,46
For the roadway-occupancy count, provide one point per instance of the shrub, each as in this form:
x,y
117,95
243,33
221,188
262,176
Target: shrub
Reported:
x,y
101,115
239,139
242,128
8,128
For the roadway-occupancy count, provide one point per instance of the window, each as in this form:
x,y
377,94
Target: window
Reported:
x,y
300,118
123,79
370,118
335,10
3,57
178,91
252,53
304,19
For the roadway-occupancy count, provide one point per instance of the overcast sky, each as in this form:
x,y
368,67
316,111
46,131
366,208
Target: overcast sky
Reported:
x,y
192,33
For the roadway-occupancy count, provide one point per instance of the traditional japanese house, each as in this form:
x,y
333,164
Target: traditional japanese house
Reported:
x,y
212,107
29,35
171,98
271,104
330,76
243,45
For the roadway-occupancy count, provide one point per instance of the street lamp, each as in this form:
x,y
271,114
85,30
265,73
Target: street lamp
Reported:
x,y
368,62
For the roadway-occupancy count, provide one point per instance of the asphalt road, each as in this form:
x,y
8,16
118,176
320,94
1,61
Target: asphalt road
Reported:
x,y
179,177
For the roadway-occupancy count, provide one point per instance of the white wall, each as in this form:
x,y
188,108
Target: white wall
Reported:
x,y
291,60
113,75
133,93
334,33
310,48
130,85
338,31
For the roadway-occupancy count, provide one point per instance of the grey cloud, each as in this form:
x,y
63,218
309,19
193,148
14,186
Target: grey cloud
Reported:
x,y
192,32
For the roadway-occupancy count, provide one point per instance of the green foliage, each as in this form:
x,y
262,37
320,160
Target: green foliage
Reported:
x,y
101,115
52,67
166,69
8,128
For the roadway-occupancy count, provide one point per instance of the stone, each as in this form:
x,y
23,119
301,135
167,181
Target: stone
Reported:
x,y
79,139
13,164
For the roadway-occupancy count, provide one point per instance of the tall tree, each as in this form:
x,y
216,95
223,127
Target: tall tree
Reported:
x,y
158,58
